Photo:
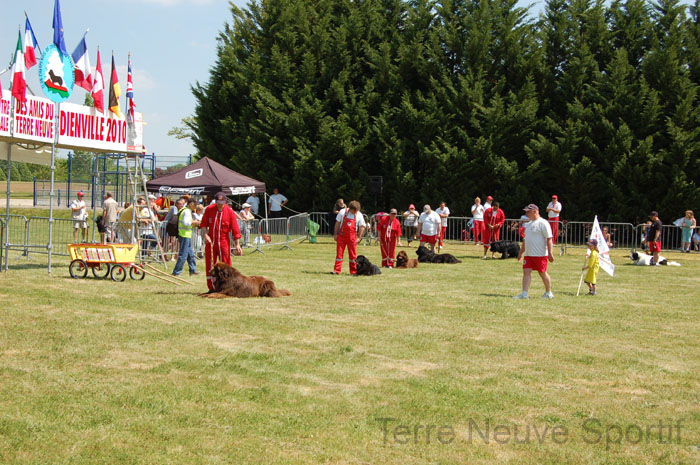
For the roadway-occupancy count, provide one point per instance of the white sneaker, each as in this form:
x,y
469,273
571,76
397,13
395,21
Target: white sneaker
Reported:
x,y
522,295
548,295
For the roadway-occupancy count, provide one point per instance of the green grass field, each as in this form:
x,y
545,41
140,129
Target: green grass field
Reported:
x,y
93,371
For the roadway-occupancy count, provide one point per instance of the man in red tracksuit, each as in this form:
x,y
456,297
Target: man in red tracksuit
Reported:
x,y
344,234
493,220
217,222
389,233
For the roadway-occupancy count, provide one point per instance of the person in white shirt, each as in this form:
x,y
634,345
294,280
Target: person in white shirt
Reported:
x,y
410,222
429,225
276,202
254,202
553,210
80,216
443,212
245,223
537,251
478,217
487,205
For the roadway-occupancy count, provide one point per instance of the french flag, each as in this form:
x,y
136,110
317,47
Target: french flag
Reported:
x,y
83,76
31,48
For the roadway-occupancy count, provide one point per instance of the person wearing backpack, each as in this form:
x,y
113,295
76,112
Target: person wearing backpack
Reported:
x,y
184,234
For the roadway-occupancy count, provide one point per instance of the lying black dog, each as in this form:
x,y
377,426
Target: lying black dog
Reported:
x,y
426,256
365,267
507,249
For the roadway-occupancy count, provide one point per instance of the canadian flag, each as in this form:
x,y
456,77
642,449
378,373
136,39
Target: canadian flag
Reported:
x,y
19,84
32,51
98,87
83,78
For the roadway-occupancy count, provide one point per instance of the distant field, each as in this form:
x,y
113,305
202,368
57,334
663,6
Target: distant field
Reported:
x,y
18,190
436,365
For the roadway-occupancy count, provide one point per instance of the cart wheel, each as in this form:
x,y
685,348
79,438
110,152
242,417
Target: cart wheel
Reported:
x,y
118,273
136,273
101,270
77,269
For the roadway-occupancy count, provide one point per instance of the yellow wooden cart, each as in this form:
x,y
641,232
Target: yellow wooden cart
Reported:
x,y
105,260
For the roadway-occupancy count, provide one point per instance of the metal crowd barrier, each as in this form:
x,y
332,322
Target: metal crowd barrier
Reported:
x,y
280,231
297,229
322,218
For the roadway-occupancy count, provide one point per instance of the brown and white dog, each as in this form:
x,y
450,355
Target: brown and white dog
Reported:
x,y
229,282
402,261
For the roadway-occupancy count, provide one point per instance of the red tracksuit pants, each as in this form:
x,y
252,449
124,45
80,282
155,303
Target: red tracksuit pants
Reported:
x,y
478,230
554,223
388,249
220,252
348,239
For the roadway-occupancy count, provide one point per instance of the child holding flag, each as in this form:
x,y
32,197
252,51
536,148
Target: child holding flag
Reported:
x,y
592,266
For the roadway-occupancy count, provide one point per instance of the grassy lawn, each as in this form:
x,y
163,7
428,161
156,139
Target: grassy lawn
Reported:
x,y
94,371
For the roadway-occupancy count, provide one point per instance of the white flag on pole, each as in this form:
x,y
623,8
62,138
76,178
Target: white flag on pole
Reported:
x,y
603,250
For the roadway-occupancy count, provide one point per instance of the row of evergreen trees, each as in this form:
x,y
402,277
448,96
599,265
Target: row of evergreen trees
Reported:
x,y
456,98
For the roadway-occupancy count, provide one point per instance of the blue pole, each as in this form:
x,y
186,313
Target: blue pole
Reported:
x,y
70,169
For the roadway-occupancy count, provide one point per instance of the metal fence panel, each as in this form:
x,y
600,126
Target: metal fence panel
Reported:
x,y
324,221
297,229
622,235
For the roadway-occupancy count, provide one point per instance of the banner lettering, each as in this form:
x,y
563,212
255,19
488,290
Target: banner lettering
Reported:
x,y
83,126
33,119
5,113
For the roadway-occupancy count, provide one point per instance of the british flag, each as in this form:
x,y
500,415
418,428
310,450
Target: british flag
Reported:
x,y
130,92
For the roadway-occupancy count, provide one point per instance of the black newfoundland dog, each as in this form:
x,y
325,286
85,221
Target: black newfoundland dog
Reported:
x,y
365,267
426,256
507,249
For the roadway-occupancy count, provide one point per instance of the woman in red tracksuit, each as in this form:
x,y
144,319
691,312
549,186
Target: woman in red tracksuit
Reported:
x,y
493,220
217,222
389,233
344,234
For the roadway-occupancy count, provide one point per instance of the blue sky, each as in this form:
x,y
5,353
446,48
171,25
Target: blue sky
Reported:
x,y
172,45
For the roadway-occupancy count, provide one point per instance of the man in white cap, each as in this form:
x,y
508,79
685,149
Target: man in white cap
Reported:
x,y
553,210
80,216
429,225
536,251
246,222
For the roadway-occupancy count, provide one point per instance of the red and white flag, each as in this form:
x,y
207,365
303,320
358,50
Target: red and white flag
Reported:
x,y
98,87
603,250
83,75
32,52
19,83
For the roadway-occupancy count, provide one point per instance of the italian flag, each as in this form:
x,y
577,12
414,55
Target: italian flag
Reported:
x,y
19,84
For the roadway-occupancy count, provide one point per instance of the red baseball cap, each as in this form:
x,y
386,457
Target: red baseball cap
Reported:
x,y
554,196
81,194
489,198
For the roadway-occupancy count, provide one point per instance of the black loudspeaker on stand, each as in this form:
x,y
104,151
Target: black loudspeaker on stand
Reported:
x,y
375,188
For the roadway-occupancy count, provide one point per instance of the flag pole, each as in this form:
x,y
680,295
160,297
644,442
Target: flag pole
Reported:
x,y
49,246
580,281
